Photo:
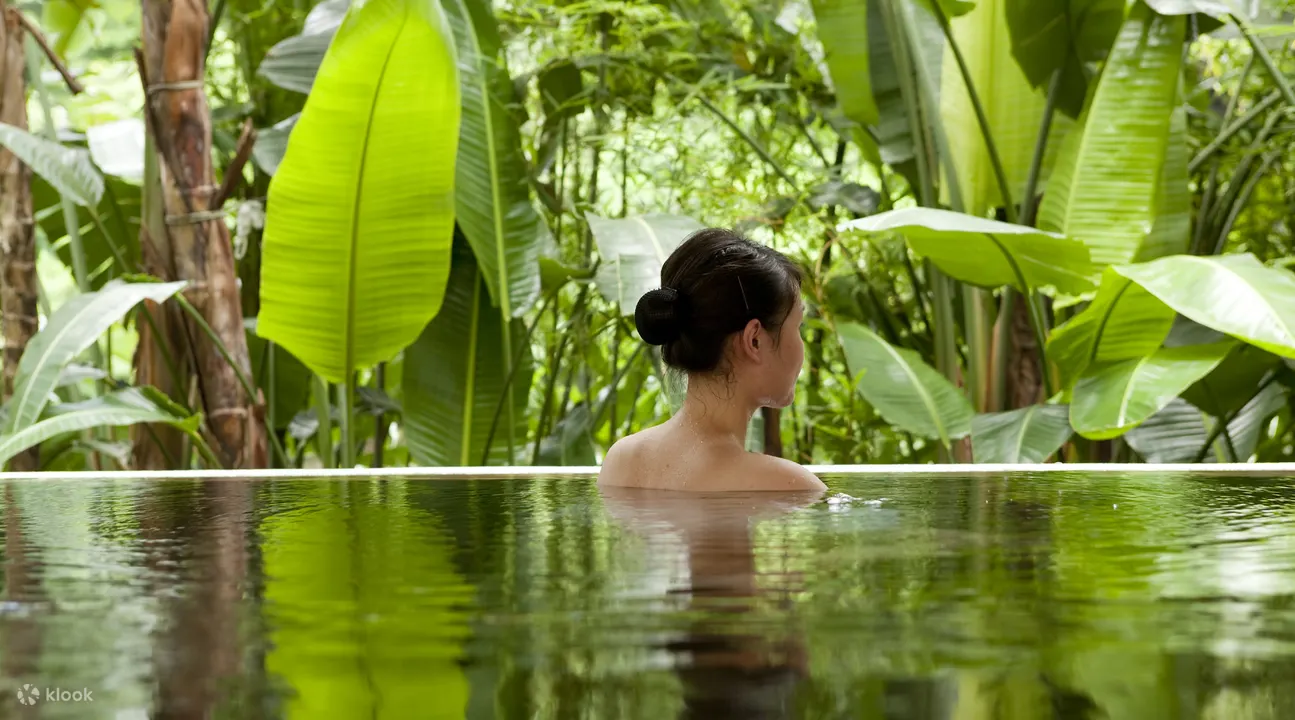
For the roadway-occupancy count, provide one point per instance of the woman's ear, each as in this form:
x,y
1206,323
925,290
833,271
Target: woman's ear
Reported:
x,y
750,339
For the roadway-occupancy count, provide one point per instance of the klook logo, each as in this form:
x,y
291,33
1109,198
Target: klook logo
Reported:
x,y
30,694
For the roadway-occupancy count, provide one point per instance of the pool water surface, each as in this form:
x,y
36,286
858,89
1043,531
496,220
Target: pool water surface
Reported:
x,y
997,595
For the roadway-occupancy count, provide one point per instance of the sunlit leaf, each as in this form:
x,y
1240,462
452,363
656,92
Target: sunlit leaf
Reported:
x,y
1171,232
843,30
1123,322
1233,294
987,252
360,214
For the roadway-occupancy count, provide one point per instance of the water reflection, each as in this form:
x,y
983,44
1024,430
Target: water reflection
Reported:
x,y
980,598
742,654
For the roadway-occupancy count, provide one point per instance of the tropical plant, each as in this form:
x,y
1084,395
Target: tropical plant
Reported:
x,y
1022,238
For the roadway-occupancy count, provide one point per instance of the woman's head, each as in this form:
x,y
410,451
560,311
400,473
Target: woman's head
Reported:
x,y
728,305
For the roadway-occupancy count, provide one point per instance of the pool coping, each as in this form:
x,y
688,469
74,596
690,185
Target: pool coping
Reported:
x,y
470,473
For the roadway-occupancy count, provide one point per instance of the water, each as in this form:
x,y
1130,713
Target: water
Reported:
x,y
902,596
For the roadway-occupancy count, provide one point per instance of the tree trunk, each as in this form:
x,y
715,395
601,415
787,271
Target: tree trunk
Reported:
x,y
1024,382
195,245
17,246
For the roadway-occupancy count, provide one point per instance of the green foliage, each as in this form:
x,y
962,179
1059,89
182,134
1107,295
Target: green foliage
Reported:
x,y
125,407
633,251
357,244
988,253
1233,294
492,198
460,391
843,30
1103,189
905,390
1044,47
73,328
68,169
1028,435
1113,399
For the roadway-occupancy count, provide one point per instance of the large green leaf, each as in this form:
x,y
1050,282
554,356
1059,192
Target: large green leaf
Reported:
x,y
1104,188
1176,433
1028,435
454,376
906,391
1171,232
293,63
118,213
1233,382
1116,398
360,213
271,144
986,252
68,169
571,444
633,250
126,407
1013,110
1063,35
72,328
1233,294
493,200
1173,435
894,132
1123,322
843,30
284,379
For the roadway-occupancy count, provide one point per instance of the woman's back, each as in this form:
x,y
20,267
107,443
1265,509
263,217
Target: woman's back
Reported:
x,y
671,457
727,315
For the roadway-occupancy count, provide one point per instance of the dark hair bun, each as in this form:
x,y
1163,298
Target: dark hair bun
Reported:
x,y
660,315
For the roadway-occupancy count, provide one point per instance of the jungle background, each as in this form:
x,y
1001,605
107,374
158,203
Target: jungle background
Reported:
x,y
252,233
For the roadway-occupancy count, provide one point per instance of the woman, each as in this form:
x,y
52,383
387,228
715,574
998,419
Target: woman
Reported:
x,y
727,314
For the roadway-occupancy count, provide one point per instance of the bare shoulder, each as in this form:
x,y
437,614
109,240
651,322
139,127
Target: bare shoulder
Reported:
x,y
619,462
776,473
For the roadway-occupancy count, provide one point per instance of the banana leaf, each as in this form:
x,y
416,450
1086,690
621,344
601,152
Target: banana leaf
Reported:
x,y
1104,188
1116,398
1171,232
492,180
906,391
118,213
843,30
75,326
360,214
1013,110
986,252
1027,435
1233,294
125,407
1066,36
454,376
633,250
1123,322
68,169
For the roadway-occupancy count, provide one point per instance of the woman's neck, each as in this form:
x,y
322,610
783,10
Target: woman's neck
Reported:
x,y
715,408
